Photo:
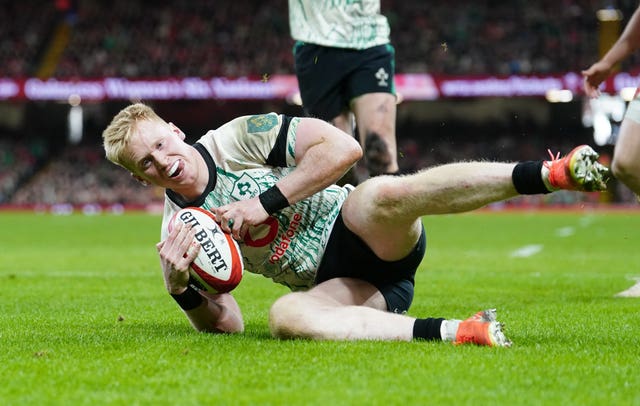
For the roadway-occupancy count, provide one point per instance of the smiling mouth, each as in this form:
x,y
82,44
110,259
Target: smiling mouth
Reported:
x,y
175,169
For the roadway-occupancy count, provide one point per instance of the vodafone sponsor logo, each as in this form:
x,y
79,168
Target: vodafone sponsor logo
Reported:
x,y
286,238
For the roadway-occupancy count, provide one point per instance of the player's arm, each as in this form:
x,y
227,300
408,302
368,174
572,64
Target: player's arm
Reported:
x,y
323,154
216,314
208,313
628,42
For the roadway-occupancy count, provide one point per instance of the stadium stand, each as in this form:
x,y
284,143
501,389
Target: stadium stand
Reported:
x,y
23,35
80,175
18,161
243,37
184,38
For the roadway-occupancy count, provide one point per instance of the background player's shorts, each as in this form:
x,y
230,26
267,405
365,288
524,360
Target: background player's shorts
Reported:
x,y
347,255
329,78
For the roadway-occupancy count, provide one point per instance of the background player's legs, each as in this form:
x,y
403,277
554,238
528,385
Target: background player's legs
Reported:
x,y
345,122
626,155
376,123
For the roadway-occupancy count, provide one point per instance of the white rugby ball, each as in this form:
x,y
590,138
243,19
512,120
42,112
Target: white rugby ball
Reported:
x,y
218,268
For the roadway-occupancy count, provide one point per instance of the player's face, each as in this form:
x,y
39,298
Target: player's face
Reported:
x,y
159,155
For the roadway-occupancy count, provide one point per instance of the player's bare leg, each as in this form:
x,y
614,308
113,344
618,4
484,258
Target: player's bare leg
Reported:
x,y
626,156
351,309
345,122
391,206
376,123
626,168
338,309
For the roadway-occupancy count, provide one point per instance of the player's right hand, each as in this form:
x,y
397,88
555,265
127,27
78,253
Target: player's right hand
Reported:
x,y
177,252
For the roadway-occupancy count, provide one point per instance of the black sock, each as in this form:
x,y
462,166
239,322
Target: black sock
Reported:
x,y
427,329
527,178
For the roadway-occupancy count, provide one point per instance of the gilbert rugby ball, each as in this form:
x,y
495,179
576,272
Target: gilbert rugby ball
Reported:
x,y
218,267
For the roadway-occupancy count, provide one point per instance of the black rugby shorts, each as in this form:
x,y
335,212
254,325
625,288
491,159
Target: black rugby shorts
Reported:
x,y
329,78
348,256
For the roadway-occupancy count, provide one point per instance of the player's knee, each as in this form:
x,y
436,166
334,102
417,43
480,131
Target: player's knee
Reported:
x,y
388,195
286,318
377,156
625,169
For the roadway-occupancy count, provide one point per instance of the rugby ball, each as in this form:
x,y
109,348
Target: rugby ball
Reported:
x,y
218,268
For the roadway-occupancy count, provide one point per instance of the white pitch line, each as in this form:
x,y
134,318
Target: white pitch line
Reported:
x,y
527,251
586,221
565,231
633,291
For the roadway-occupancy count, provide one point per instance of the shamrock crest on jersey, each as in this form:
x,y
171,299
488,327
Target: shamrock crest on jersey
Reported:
x,y
245,188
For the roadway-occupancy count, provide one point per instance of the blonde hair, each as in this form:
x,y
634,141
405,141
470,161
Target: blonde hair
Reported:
x,y
117,135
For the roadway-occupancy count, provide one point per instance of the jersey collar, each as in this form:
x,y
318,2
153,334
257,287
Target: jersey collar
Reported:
x,y
213,176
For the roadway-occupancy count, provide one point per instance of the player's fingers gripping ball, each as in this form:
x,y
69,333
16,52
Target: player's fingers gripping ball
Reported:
x,y
218,268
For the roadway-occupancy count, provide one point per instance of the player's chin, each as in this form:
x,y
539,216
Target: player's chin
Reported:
x,y
176,182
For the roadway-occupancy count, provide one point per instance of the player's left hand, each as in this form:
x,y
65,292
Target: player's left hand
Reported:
x,y
237,217
594,76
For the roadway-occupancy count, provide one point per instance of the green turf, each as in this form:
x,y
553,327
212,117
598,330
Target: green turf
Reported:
x,y
85,320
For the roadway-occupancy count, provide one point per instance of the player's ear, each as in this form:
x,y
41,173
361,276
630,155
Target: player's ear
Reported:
x,y
177,131
139,179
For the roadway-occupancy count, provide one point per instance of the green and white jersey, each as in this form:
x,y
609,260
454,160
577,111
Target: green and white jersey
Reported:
x,y
353,24
245,157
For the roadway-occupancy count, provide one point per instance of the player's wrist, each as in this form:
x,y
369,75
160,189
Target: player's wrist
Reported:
x,y
273,200
177,290
188,299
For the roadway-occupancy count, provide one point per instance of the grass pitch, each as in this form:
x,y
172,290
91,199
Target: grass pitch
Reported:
x,y
85,320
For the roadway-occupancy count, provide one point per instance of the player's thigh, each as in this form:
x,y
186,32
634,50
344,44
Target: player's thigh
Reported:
x,y
371,90
348,292
379,212
627,149
292,313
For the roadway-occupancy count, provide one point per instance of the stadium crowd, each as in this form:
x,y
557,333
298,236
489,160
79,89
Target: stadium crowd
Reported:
x,y
181,38
79,175
243,37
18,161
